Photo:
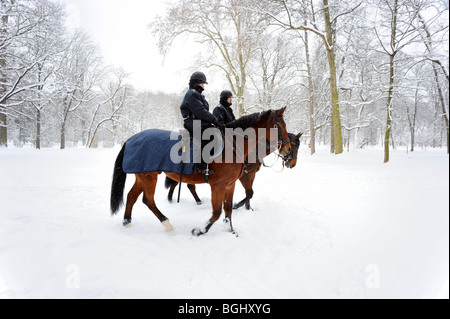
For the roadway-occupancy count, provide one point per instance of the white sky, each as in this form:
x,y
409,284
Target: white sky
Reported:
x,y
120,28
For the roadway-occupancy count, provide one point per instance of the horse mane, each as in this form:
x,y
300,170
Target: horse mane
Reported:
x,y
248,121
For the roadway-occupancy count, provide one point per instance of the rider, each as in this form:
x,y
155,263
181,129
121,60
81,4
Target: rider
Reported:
x,y
223,112
195,107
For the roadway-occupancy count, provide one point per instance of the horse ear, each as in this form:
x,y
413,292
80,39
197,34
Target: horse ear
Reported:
x,y
280,112
299,136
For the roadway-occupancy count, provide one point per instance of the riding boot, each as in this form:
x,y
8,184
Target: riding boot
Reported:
x,y
203,168
208,173
200,168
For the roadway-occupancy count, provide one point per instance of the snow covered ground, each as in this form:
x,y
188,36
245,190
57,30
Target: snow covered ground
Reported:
x,y
334,227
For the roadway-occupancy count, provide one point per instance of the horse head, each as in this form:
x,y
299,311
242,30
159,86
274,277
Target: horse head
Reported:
x,y
290,159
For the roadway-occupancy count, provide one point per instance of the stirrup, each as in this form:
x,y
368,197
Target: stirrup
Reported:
x,y
208,173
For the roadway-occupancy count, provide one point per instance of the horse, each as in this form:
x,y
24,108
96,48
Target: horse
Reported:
x,y
248,178
222,182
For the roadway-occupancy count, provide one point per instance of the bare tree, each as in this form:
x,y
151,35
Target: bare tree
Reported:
x,y
46,41
394,34
436,63
80,71
19,19
291,16
312,128
222,28
115,95
274,70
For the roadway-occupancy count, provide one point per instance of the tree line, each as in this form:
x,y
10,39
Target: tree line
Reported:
x,y
360,72
352,73
55,88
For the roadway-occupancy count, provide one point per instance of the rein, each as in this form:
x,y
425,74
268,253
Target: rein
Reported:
x,y
287,158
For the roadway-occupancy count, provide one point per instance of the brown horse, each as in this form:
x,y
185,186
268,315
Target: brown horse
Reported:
x,y
248,178
222,182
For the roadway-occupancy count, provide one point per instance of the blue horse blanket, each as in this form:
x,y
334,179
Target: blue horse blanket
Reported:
x,y
156,150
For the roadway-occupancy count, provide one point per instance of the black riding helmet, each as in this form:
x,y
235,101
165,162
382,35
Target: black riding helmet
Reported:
x,y
199,77
225,95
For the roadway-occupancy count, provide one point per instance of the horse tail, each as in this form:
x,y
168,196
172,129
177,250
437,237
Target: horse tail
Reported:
x,y
118,183
170,182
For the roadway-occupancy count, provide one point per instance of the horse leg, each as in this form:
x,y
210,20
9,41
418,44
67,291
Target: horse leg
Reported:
x,y
133,195
194,193
149,185
247,182
228,207
171,191
171,185
217,198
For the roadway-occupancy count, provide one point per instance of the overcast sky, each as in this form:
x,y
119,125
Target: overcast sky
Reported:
x,y
120,28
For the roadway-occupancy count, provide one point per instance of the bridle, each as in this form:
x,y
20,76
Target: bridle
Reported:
x,y
287,158
278,126
290,156
281,139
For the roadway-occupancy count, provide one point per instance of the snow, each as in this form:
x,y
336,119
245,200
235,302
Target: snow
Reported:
x,y
344,226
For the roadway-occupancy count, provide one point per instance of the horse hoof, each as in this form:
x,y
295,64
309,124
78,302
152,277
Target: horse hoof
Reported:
x,y
167,226
199,203
126,222
197,232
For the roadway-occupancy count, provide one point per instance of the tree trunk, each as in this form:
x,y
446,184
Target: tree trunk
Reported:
x,y
241,82
311,97
238,91
3,129
38,129
240,98
3,79
412,119
442,103
40,88
63,136
387,137
63,128
337,130
332,141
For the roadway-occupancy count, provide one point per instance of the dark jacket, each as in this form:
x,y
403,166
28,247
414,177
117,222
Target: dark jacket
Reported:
x,y
224,113
195,107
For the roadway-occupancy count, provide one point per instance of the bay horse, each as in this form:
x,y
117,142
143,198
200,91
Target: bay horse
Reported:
x,y
222,182
248,178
